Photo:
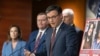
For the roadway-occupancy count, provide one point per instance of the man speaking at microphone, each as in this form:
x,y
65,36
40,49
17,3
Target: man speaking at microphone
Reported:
x,y
36,42
61,38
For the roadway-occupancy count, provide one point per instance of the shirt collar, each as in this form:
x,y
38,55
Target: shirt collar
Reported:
x,y
57,28
42,30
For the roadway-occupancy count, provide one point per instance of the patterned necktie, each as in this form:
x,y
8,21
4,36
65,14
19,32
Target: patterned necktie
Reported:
x,y
37,42
52,41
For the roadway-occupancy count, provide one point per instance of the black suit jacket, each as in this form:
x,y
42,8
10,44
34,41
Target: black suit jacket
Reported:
x,y
79,35
66,41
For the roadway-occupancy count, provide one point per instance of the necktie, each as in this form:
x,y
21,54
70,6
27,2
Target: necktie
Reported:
x,y
37,42
52,40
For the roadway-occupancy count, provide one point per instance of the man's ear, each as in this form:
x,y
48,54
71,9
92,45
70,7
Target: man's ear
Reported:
x,y
61,16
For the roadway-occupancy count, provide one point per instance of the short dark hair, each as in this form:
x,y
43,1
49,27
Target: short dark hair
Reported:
x,y
54,7
41,13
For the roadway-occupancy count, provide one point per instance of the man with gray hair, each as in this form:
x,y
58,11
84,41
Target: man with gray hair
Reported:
x,y
68,18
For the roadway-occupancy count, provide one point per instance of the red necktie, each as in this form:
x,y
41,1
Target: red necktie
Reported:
x,y
37,42
52,40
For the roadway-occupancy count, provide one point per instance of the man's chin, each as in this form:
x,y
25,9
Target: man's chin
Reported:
x,y
52,26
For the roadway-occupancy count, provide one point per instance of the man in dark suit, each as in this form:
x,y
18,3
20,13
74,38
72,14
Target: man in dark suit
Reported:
x,y
61,38
68,18
36,43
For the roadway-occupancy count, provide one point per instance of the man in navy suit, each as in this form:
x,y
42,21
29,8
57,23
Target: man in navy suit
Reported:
x,y
63,40
68,18
36,43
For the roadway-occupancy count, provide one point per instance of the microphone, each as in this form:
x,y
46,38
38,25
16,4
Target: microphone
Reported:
x,y
12,54
28,44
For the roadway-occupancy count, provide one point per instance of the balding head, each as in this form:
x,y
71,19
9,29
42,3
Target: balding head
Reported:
x,y
68,15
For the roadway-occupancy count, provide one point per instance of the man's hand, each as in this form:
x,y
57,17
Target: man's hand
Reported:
x,y
32,54
26,52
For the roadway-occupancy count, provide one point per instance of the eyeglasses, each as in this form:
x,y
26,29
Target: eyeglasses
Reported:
x,y
53,17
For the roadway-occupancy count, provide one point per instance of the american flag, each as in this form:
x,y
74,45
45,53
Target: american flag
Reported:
x,y
98,13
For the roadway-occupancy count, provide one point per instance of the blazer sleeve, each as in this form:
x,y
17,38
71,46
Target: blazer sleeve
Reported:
x,y
22,48
71,42
4,49
27,46
31,39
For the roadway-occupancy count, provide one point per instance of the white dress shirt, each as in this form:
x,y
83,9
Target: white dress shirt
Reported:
x,y
57,28
43,32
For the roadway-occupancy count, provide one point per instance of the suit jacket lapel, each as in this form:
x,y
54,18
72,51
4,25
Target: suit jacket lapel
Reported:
x,y
59,32
49,39
34,36
33,39
42,38
57,36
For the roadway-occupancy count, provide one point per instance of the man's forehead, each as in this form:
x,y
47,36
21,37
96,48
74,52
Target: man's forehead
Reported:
x,y
52,13
65,14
